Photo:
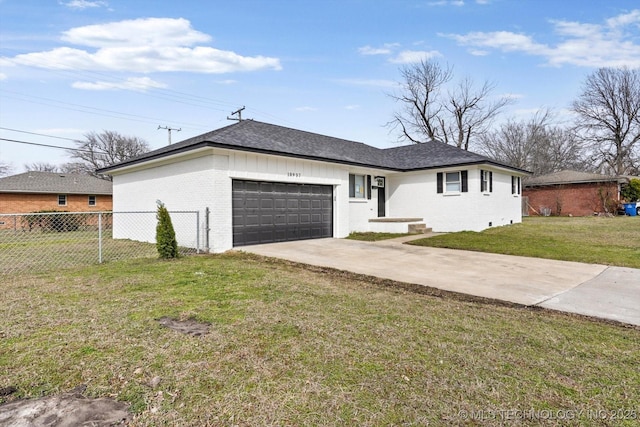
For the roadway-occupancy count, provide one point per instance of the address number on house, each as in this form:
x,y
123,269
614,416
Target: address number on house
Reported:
x,y
294,174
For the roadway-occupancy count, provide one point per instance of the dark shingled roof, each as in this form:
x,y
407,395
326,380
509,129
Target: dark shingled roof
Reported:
x,y
51,182
254,136
570,177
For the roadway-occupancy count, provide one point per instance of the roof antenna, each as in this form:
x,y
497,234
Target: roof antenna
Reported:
x,y
238,112
169,129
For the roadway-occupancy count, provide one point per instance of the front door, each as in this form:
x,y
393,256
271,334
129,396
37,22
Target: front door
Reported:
x,y
381,203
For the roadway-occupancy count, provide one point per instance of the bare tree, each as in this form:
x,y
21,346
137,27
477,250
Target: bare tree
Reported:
x,y
70,167
99,150
608,112
5,169
42,167
536,145
455,117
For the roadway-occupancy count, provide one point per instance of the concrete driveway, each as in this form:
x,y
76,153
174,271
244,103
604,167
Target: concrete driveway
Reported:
x,y
595,290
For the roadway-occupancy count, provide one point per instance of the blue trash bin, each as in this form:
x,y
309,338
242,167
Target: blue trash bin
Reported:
x,y
630,209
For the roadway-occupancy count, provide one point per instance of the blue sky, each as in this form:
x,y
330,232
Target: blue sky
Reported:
x,y
68,67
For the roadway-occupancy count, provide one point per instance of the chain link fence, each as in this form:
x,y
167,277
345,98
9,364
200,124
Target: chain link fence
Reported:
x,y
42,242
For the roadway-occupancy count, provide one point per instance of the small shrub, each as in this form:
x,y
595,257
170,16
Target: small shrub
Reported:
x,y
166,242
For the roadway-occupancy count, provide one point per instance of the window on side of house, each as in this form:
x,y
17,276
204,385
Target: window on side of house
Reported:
x,y
515,185
92,200
62,200
357,187
486,181
452,182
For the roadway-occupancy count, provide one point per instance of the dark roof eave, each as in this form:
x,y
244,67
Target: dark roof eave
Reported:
x,y
88,193
471,163
212,144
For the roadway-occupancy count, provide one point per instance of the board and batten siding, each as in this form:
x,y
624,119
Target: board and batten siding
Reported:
x,y
195,182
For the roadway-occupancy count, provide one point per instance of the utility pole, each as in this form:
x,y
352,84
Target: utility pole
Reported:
x,y
169,129
238,112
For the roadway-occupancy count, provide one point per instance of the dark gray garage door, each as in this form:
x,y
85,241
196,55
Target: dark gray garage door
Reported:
x,y
265,212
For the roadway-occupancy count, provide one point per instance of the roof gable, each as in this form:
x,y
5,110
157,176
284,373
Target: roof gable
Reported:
x,y
51,182
251,135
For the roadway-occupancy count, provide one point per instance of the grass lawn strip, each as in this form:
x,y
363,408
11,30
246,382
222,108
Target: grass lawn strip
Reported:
x,y
289,345
369,236
593,240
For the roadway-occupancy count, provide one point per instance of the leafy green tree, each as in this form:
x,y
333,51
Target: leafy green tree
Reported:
x,y
631,191
166,242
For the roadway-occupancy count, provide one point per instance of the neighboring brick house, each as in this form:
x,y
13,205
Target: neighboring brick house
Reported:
x,y
39,191
572,193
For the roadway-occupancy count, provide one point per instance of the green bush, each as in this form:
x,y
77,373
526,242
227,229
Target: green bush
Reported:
x,y
166,242
631,191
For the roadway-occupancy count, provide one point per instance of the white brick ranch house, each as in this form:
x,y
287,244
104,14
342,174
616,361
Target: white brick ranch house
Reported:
x,y
266,183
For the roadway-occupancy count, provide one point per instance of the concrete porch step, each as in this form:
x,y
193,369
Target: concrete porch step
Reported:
x,y
420,228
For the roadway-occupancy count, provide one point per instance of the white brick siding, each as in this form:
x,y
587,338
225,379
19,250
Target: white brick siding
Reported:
x,y
202,178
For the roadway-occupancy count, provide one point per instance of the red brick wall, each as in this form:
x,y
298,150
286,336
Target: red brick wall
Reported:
x,y
25,203
571,199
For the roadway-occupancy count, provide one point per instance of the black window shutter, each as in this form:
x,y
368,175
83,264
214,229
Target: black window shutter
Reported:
x,y
490,182
518,185
369,187
352,185
463,176
440,187
482,180
513,184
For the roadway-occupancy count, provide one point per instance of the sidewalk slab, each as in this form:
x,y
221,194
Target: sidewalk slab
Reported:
x,y
614,294
522,280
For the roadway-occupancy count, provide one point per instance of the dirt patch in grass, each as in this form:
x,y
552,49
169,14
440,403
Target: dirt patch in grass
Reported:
x,y
188,326
67,409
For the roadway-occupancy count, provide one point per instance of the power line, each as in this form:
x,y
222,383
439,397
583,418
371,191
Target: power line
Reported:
x,y
45,145
86,109
38,134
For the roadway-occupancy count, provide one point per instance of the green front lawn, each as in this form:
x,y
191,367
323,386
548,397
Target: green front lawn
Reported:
x,y
295,345
594,240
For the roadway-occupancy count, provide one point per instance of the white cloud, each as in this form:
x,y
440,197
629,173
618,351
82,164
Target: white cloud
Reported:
x,y
227,82
413,56
133,83
479,52
306,108
512,96
144,46
351,107
138,32
84,4
611,44
385,49
3,76
447,3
